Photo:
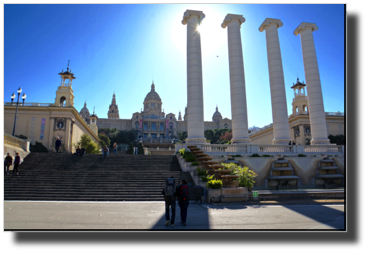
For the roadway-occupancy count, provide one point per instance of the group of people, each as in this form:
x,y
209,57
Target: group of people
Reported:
x,y
9,161
80,151
291,143
171,192
105,151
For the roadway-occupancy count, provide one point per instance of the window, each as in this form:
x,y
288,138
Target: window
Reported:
x,y
152,105
146,126
137,125
154,127
161,127
225,126
171,124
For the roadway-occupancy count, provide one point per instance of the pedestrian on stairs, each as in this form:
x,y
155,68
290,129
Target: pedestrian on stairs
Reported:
x,y
7,163
83,150
115,148
169,193
182,193
105,151
58,144
17,161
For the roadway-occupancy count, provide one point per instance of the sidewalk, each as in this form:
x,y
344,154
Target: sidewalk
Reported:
x,y
20,215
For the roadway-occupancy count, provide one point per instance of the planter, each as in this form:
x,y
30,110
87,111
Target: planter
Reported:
x,y
212,195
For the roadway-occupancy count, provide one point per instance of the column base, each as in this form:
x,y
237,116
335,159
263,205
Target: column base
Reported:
x,y
320,142
281,141
245,140
195,140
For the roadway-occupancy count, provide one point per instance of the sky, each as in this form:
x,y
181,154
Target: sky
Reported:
x,y
123,48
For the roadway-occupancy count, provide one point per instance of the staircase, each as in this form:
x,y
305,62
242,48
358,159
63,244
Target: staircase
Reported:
x,y
66,177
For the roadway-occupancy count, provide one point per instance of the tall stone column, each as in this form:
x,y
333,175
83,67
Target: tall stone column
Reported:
x,y
281,134
311,70
196,130
240,126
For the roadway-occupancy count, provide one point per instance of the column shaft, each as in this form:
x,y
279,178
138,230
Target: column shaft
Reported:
x,y
194,78
237,79
315,98
281,133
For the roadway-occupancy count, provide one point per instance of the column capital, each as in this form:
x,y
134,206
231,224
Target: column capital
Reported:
x,y
189,13
230,17
268,22
305,26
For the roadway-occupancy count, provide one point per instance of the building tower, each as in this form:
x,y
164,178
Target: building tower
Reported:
x,y
113,109
84,112
64,93
300,103
217,116
180,119
93,123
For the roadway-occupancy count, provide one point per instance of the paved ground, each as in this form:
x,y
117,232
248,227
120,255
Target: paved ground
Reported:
x,y
29,215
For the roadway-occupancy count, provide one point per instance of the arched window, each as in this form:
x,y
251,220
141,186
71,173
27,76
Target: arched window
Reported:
x,y
225,126
112,111
296,110
161,127
154,127
62,101
137,125
171,124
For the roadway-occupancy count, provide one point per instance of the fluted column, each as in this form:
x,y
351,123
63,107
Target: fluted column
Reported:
x,y
240,126
280,119
311,70
196,130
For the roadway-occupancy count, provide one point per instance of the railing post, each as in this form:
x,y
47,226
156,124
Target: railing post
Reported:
x,y
300,149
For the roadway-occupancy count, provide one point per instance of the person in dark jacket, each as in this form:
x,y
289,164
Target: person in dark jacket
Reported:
x,y
7,163
17,161
105,151
58,144
182,193
170,201
78,151
83,151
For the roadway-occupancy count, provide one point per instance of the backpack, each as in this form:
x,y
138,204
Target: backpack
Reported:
x,y
170,189
184,193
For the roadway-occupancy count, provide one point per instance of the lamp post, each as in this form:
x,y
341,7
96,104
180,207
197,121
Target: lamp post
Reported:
x,y
23,98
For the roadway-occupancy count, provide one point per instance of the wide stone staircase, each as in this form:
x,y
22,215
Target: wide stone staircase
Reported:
x,y
66,177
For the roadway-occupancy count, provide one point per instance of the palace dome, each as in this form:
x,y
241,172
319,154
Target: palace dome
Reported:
x,y
84,110
152,95
217,116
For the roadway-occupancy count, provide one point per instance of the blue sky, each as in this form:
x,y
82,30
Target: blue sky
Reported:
x,y
122,48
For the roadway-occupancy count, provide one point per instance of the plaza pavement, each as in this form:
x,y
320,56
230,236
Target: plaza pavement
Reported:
x,y
34,215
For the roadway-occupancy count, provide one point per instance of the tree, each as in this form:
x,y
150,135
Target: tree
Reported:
x,y
104,140
130,149
182,135
141,149
90,146
227,136
338,139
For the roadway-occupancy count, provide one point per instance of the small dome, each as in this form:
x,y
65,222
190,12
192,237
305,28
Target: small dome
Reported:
x,y
84,109
217,116
152,95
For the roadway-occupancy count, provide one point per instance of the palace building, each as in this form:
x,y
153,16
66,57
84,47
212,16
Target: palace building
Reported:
x,y
152,122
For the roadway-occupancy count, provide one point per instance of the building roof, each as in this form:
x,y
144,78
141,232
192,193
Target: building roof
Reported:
x,y
298,84
152,95
84,109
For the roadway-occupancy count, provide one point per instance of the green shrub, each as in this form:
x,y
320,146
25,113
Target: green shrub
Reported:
x,y
238,155
90,146
38,147
247,176
182,151
215,184
207,178
195,163
255,155
201,172
130,149
266,155
301,155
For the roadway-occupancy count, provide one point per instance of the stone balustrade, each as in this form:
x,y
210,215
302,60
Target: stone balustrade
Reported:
x,y
249,149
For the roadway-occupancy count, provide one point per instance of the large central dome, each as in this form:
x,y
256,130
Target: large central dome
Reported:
x,y
152,95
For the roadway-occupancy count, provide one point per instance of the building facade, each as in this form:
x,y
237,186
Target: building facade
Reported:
x,y
299,121
152,121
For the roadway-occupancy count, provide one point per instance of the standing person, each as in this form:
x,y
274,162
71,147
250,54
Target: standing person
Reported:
x,y
83,151
183,193
115,147
7,163
169,192
17,161
293,142
58,144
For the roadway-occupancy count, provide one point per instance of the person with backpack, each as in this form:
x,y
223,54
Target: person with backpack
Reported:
x,y
169,193
182,193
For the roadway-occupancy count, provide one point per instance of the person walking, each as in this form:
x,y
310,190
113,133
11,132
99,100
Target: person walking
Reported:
x,y
17,161
115,148
7,163
58,144
169,193
182,193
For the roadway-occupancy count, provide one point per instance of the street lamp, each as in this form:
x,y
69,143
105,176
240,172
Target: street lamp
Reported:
x,y
12,97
